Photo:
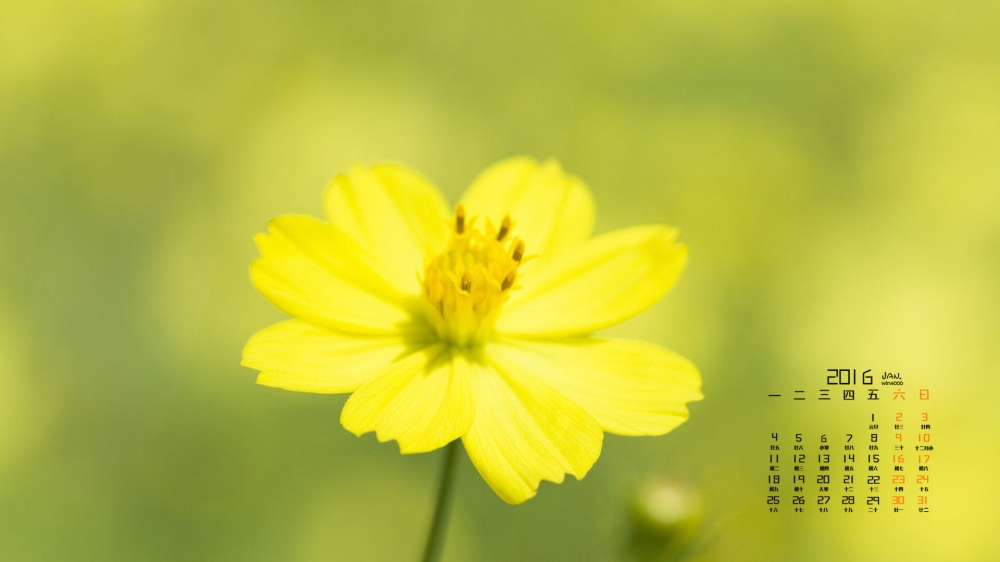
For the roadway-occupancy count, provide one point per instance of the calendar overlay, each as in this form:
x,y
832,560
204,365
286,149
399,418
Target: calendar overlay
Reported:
x,y
878,459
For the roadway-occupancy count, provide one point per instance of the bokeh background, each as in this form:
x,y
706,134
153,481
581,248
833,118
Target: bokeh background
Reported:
x,y
834,167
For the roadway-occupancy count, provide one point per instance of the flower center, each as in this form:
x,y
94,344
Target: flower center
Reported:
x,y
466,285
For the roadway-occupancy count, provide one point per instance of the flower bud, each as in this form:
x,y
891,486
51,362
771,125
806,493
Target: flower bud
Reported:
x,y
665,517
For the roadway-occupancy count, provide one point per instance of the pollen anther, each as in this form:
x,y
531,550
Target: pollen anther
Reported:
x,y
518,251
508,281
504,229
460,218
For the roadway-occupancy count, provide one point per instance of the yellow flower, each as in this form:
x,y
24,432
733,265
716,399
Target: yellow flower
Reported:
x,y
473,324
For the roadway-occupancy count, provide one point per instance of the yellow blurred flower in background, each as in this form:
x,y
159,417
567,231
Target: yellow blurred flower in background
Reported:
x,y
473,324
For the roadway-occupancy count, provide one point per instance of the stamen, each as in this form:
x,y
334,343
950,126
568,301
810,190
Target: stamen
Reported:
x,y
504,228
508,281
518,251
466,283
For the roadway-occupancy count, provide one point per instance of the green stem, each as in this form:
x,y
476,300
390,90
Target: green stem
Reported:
x,y
439,526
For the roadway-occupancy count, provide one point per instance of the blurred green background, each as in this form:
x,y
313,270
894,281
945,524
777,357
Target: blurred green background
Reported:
x,y
834,167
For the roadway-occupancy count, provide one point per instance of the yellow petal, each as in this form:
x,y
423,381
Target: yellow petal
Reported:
x,y
600,283
551,210
629,387
423,402
394,213
296,355
312,271
526,432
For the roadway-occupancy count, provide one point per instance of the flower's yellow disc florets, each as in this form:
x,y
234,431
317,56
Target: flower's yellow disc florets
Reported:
x,y
466,285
